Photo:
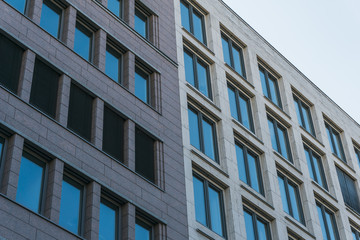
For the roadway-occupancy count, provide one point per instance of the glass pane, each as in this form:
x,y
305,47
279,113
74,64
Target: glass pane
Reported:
x,y
294,202
29,189
274,91
70,207
308,160
283,195
307,119
140,23
261,227
319,171
237,60
241,163
198,27
215,211
1,148
112,65
358,156
330,138
250,234
272,135
253,172
189,68
50,18
185,17
142,233
115,7
322,223
208,135
283,143
232,101
339,149
82,42
141,85
202,79
297,108
107,224
226,51
244,111
354,236
194,129
331,227
18,4
263,82
199,197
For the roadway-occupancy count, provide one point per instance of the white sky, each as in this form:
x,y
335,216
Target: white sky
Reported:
x,y
320,37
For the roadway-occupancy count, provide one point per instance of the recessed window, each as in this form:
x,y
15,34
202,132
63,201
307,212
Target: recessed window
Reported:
x,y
109,220
20,5
30,187
240,107
10,63
44,88
327,222
143,230
142,84
51,15
256,227
141,23
113,63
144,155
83,43
197,73
270,86
113,135
348,190
115,7
1,149
71,205
290,198
335,142
193,21
233,55
80,112
355,234
357,153
202,133
304,115
279,138
209,207
315,167
249,167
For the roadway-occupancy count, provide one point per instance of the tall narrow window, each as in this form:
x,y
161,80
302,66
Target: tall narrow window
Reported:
x,y
144,155
10,63
113,135
355,234
143,230
256,227
233,55
83,43
193,21
80,112
109,220
20,5
357,153
115,7
270,86
51,15
304,115
31,182
327,222
249,167
279,138
209,207
44,89
113,64
335,142
348,190
142,84
197,73
1,149
240,107
141,23
315,166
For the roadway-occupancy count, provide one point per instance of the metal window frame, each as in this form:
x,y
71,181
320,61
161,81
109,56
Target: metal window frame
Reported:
x,y
113,50
333,221
58,8
335,134
146,223
147,76
301,104
255,218
269,75
356,232
88,31
313,157
232,44
121,9
277,126
104,199
145,17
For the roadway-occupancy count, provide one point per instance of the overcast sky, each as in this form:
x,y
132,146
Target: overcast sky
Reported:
x,y
320,37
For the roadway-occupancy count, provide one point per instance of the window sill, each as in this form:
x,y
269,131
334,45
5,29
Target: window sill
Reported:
x,y
326,192
344,164
209,161
238,74
288,163
247,130
208,100
256,195
197,40
353,212
277,107
299,225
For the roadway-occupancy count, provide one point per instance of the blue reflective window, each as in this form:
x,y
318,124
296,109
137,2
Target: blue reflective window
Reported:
x,y
198,26
141,23
304,115
357,153
315,167
199,197
261,228
20,5
327,223
226,50
215,211
113,64
192,20
143,231
114,6
1,149
241,159
233,55
71,205
256,227
270,86
355,234
250,233
142,85
232,102
30,184
202,77
108,221
194,129
189,68
51,18
335,142
83,41
208,136
279,139
185,15
282,142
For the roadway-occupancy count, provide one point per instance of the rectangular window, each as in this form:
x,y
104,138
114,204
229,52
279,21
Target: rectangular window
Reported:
x,y
113,134
355,234
240,107
83,43
113,63
143,230
193,21
249,167
279,138
144,155
315,167
115,6
256,227
202,133
1,150
335,142
197,73
10,63
51,15
80,112
357,153
142,84
233,55
30,188
209,206
44,88
141,23
290,198
304,115
327,222
109,220
19,5
71,205
270,86
348,190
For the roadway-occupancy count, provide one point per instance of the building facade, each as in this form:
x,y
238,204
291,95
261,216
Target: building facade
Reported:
x,y
90,127
267,154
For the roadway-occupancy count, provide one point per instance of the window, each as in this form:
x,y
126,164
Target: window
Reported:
x,y
51,15
44,89
11,64
109,220
141,23
202,133
144,155
113,135
80,112
327,222
240,107
304,115
113,63
357,153
197,73
315,167
256,227
83,41
348,190
193,21
290,198
142,84
1,149
355,234
249,167
20,5
209,206
115,7
335,142
143,230
270,86
279,138
30,188
233,55
71,205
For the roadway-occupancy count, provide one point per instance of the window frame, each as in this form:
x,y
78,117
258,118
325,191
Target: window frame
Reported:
x,y
356,232
240,48
324,210
333,132
121,13
119,54
141,70
3,142
301,104
143,16
268,74
85,28
26,7
347,200
55,4
146,224
357,154
278,125
110,203
255,218
313,154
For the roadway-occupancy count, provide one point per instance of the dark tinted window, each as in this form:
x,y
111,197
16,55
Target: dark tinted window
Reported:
x,y
348,190
113,136
20,5
144,155
51,18
83,41
141,23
